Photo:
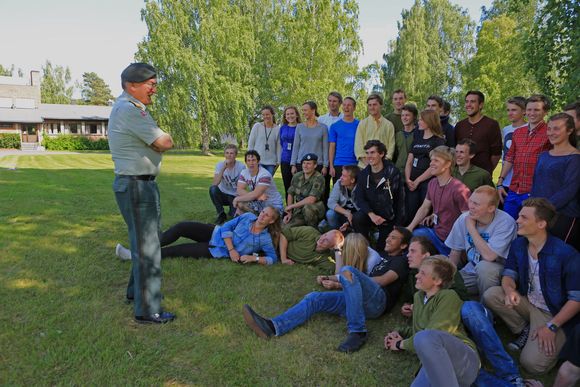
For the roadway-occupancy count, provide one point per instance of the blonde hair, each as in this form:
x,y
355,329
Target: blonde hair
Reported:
x,y
355,251
444,152
443,269
490,192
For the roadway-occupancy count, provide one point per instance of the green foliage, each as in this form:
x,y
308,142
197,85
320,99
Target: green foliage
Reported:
x,y
68,142
499,68
553,50
435,40
9,141
54,87
220,61
94,90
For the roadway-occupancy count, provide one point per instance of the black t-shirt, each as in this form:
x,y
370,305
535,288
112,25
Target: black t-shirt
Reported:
x,y
399,265
420,150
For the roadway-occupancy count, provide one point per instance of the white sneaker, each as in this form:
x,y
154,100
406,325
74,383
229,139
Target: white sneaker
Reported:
x,y
122,252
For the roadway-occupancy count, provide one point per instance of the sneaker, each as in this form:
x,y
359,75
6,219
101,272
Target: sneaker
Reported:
x,y
522,339
221,218
353,342
122,252
263,327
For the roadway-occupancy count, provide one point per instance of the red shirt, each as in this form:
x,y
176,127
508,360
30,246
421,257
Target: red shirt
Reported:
x,y
523,154
487,137
448,201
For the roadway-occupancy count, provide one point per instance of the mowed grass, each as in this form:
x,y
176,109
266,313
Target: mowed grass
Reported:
x,y
62,288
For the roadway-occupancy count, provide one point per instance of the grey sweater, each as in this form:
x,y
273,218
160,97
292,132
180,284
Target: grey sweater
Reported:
x,y
310,140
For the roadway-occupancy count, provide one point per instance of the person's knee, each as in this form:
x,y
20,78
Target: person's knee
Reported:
x,y
492,295
532,365
425,340
214,190
568,375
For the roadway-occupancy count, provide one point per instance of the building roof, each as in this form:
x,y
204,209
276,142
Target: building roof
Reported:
x,y
56,112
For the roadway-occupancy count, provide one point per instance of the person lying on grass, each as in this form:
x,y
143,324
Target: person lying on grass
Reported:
x,y
245,239
448,357
361,297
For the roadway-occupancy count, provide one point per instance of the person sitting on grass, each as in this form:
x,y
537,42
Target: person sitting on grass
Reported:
x,y
305,245
245,239
361,297
341,203
225,181
448,357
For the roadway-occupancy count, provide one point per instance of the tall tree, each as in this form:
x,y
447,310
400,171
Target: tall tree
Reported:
x,y
203,53
6,71
435,40
554,50
499,68
94,90
54,87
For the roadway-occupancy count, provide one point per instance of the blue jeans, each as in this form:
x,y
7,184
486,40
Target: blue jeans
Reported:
x,y
513,203
360,299
334,219
478,321
270,168
138,201
430,233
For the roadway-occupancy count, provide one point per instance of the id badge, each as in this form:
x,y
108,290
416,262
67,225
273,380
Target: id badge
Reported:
x,y
415,162
435,219
267,147
289,146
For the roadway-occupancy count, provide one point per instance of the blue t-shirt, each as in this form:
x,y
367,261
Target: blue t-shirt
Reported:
x,y
343,134
286,141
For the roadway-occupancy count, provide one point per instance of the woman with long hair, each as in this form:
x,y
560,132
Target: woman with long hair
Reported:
x,y
265,138
245,239
290,118
557,178
361,297
417,171
310,137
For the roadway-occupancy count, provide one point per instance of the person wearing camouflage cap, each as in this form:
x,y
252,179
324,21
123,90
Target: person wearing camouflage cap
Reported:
x,y
137,144
305,205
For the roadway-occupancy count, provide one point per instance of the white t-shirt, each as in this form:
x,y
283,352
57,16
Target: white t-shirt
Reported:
x,y
535,295
372,260
328,120
229,181
262,178
498,234
506,134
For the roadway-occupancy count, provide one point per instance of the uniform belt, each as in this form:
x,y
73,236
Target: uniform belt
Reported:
x,y
140,177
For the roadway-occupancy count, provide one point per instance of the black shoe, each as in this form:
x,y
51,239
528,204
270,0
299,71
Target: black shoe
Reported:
x,y
129,300
157,318
521,341
263,327
221,218
353,342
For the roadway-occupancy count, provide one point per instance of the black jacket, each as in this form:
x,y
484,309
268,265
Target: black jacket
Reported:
x,y
387,199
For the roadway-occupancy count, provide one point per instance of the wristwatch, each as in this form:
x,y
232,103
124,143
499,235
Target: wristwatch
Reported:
x,y
553,327
257,257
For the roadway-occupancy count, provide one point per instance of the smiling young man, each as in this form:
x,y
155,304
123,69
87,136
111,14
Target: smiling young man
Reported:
x,y
305,206
341,203
436,104
470,175
374,127
398,100
341,137
380,195
527,144
484,234
516,113
539,296
223,189
483,130
446,195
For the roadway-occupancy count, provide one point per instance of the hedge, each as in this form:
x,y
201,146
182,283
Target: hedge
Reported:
x,y
9,141
71,143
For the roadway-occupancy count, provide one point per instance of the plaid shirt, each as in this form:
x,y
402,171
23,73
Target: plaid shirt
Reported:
x,y
526,147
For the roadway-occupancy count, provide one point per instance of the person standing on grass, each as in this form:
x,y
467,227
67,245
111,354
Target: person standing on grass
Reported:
x,y
527,145
436,104
334,115
311,137
265,139
398,100
225,181
341,140
448,357
405,137
137,144
362,297
290,118
516,112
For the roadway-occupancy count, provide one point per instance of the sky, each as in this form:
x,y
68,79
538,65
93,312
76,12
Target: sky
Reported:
x,y
101,36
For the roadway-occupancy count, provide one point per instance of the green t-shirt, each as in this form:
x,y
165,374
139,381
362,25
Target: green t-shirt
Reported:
x,y
396,120
302,247
474,177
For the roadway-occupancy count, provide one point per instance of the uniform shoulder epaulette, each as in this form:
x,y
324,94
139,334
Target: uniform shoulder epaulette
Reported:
x,y
136,105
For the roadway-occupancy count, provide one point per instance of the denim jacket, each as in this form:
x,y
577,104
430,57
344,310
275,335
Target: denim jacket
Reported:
x,y
559,272
244,241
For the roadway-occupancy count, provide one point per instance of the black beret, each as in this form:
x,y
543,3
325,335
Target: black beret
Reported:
x,y
138,72
309,157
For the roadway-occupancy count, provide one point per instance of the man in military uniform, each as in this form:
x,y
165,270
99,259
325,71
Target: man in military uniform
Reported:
x,y
137,144
305,205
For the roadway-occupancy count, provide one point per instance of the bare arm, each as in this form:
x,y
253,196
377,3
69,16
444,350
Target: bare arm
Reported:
x,y
420,215
162,143
217,178
480,244
245,196
455,257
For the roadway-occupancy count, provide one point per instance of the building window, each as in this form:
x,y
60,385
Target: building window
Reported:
x,y
6,125
93,129
74,128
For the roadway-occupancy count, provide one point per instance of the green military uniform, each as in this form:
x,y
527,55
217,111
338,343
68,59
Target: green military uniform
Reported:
x,y
300,188
474,177
302,247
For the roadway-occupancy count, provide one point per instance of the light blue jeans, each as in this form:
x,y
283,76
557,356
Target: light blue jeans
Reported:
x,y
334,219
360,299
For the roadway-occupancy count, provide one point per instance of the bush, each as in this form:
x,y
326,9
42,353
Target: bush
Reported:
x,y
9,141
71,143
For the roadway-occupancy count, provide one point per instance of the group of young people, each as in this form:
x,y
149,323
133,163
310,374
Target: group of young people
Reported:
x,y
413,214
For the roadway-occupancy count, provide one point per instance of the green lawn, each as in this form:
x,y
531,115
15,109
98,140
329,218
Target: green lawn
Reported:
x,y
64,320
